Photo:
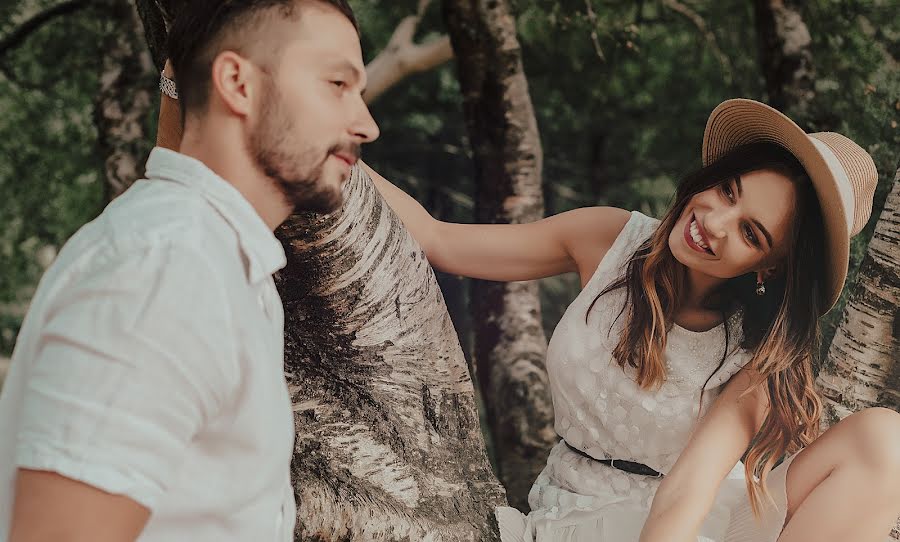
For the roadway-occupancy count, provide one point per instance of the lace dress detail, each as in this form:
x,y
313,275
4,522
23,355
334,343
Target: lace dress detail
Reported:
x,y
600,409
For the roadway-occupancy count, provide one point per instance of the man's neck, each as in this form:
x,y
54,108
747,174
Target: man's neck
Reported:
x,y
233,164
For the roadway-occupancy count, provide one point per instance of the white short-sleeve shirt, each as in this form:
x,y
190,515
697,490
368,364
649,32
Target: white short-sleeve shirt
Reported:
x,y
151,363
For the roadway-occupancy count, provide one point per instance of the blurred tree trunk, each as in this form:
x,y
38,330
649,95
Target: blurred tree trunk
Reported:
x,y
127,95
785,55
510,345
126,92
863,365
388,444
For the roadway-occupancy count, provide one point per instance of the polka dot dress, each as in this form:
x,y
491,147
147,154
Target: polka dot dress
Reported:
x,y
600,410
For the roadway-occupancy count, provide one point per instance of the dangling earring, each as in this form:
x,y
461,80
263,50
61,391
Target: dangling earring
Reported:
x,y
760,288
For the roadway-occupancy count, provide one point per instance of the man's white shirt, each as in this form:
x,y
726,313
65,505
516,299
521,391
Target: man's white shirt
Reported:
x,y
151,363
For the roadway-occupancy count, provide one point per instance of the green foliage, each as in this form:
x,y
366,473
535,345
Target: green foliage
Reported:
x,y
50,175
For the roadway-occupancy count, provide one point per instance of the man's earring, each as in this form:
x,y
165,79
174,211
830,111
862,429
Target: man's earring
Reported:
x,y
760,288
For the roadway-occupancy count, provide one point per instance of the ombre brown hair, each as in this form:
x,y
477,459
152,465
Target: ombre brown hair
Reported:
x,y
780,329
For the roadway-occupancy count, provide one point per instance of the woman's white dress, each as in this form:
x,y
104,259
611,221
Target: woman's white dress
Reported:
x,y
600,410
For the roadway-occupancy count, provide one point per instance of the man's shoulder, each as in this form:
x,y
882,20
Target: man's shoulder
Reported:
x,y
155,211
145,222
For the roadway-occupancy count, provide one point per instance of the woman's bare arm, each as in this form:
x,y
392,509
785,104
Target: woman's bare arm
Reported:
x,y
686,495
573,241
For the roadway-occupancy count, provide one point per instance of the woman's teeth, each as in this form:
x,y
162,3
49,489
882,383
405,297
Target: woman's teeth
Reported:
x,y
695,235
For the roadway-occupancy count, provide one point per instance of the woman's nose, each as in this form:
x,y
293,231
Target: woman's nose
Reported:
x,y
716,221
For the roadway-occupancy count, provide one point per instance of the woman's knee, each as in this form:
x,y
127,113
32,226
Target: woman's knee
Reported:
x,y
875,434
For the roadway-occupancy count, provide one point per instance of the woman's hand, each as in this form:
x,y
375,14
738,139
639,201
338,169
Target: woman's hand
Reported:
x,y
686,495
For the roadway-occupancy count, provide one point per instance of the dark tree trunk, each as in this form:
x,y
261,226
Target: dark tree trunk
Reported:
x,y
388,442
785,55
510,345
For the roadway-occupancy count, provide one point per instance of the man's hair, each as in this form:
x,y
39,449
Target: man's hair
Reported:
x,y
204,28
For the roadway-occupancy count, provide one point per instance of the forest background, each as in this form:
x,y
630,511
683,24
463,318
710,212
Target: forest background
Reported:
x,y
620,92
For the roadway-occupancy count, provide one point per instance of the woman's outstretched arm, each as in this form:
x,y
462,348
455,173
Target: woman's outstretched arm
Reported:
x,y
574,241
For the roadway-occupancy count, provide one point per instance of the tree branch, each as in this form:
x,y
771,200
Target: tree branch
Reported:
x,y
592,18
402,57
21,33
694,17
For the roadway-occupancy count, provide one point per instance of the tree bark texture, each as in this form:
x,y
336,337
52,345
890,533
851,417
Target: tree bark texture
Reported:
x,y
388,444
126,97
510,345
388,441
863,368
785,55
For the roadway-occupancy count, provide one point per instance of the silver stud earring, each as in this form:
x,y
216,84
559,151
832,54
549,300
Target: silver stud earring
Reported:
x,y
760,288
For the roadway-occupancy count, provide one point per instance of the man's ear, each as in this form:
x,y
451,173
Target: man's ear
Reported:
x,y
234,80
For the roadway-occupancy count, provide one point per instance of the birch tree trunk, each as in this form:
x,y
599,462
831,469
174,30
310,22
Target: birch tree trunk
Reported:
x,y
785,55
510,345
863,365
388,444
127,94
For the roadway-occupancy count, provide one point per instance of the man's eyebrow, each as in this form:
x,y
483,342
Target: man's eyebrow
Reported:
x,y
347,66
740,186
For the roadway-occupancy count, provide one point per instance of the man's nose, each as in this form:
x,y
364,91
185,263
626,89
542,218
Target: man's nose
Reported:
x,y
364,127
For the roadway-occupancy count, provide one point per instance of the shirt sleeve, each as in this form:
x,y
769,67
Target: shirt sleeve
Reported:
x,y
132,361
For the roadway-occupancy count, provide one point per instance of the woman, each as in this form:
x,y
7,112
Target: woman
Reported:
x,y
692,340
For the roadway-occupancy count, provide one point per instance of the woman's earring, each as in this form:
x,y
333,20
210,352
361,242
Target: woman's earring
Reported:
x,y
760,288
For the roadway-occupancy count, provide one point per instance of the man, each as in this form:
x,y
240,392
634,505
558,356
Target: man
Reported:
x,y
146,396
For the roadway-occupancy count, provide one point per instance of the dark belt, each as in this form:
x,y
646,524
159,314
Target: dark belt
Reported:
x,y
621,464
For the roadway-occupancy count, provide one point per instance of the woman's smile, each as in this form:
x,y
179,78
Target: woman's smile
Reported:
x,y
695,236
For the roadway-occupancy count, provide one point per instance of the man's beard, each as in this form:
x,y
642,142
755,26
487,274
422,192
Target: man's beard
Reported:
x,y
294,166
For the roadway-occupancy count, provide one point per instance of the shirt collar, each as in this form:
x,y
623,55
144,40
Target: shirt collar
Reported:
x,y
263,250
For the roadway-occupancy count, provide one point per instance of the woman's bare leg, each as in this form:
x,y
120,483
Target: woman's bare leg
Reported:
x,y
846,485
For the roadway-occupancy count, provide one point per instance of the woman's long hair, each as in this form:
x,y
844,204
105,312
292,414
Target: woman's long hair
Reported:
x,y
780,329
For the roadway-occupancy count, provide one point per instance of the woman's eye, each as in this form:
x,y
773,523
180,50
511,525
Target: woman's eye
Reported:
x,y
339,84
748,231
726,189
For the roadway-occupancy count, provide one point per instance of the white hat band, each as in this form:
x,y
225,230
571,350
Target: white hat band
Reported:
x,y
843,182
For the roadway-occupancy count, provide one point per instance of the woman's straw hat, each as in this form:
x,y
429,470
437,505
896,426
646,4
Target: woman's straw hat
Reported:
x,y
842,173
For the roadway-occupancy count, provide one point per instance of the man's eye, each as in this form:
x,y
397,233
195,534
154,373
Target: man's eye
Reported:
x,y
339,84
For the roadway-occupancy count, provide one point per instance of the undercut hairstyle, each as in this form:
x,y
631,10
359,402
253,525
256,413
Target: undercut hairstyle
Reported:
x,y
204,28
